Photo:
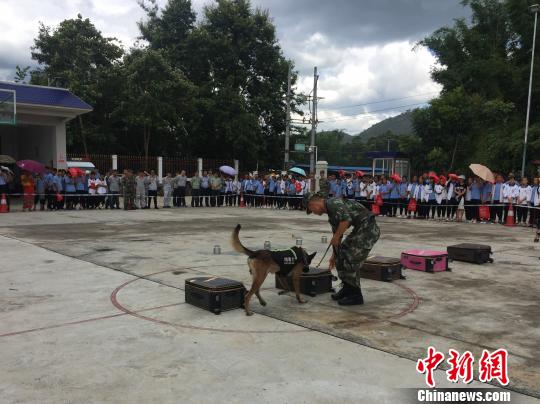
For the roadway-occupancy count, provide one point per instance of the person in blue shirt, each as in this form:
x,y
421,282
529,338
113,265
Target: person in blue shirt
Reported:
x,y
49,188
394,198
402,188
205,189
432,199
272,184
259,192
486,193
249,190
70,191
497,199
476,198
40,192
356,187
81,183
338,190
332,186
384,190
58,190
291,192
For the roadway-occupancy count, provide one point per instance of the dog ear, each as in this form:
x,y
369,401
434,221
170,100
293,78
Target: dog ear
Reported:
x,y
311,256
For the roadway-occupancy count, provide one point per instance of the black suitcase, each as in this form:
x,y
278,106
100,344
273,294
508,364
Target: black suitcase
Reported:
x,y
476,253
312,283
215,294
382,269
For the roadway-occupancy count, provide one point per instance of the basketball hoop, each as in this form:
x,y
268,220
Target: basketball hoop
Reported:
x,y
8,107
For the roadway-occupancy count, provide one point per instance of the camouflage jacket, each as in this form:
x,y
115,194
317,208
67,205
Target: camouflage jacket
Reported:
x,y
324,186
128,184
340,210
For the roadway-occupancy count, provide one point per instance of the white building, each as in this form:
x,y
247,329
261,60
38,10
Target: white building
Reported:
x,y
39,129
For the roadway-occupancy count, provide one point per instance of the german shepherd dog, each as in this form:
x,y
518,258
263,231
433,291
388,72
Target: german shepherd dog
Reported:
x,y
263,262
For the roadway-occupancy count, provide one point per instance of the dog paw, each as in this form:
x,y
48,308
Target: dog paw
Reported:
x,y
282,292
249,313
302,301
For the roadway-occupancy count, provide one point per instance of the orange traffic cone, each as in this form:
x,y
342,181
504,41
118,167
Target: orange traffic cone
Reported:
x,y
3,204
510,217
242,201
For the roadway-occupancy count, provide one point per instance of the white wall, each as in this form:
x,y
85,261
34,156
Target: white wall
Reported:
x,y
46,144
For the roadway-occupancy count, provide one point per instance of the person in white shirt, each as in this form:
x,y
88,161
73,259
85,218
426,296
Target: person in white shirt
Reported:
x,y
228,191
168,187
101,191
236,187
510,193
92,191
153,183
440,197
523,198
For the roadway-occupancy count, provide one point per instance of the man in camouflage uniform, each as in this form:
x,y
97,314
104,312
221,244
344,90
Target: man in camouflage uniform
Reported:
x,y
128,187
324,185
349,255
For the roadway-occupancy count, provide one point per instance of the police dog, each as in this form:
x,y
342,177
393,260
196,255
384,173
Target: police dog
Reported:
x,y
263,262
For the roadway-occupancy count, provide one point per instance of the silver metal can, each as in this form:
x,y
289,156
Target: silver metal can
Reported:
x,y
217,250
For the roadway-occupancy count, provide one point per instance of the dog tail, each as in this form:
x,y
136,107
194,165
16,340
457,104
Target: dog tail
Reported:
x,y
237,245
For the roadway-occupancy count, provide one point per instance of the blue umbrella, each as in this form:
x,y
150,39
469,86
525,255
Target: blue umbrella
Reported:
x,y
298,171
228,170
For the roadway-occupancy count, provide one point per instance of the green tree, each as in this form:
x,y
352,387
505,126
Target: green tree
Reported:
x,y
159,96
21,73
239,68
76,55
484,68
168,29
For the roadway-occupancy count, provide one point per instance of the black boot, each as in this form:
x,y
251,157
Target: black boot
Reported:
x,y
353,298
344,291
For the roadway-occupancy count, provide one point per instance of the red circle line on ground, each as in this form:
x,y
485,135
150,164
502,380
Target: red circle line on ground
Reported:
x,y
119,306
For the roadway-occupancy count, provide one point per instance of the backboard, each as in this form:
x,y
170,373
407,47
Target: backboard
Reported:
x,y
8,107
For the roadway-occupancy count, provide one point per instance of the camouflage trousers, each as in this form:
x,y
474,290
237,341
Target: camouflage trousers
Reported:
x,y
353,251
129,200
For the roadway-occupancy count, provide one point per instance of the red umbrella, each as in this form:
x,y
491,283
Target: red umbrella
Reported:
x,y
76,172
31,165
453,176
433,174
360,173
395,177
442,180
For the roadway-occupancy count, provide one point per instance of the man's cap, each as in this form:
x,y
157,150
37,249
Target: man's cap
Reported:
x,y
308,197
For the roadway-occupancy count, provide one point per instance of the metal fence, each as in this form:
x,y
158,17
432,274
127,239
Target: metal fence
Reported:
x,y
103,163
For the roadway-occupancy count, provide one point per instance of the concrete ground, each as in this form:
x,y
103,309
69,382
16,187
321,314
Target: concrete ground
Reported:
x,y
92,310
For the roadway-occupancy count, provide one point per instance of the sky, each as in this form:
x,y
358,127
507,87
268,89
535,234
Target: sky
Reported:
x,y
369,67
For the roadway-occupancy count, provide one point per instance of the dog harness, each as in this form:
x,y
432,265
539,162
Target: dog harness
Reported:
x,y
287,259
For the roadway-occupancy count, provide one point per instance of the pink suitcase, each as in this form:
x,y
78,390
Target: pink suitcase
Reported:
x,y
425,260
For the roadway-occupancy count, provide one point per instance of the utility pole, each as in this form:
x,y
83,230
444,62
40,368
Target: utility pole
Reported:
x,y
312,161
535,8
288,122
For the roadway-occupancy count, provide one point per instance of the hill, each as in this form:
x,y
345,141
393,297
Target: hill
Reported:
x,y
398,125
